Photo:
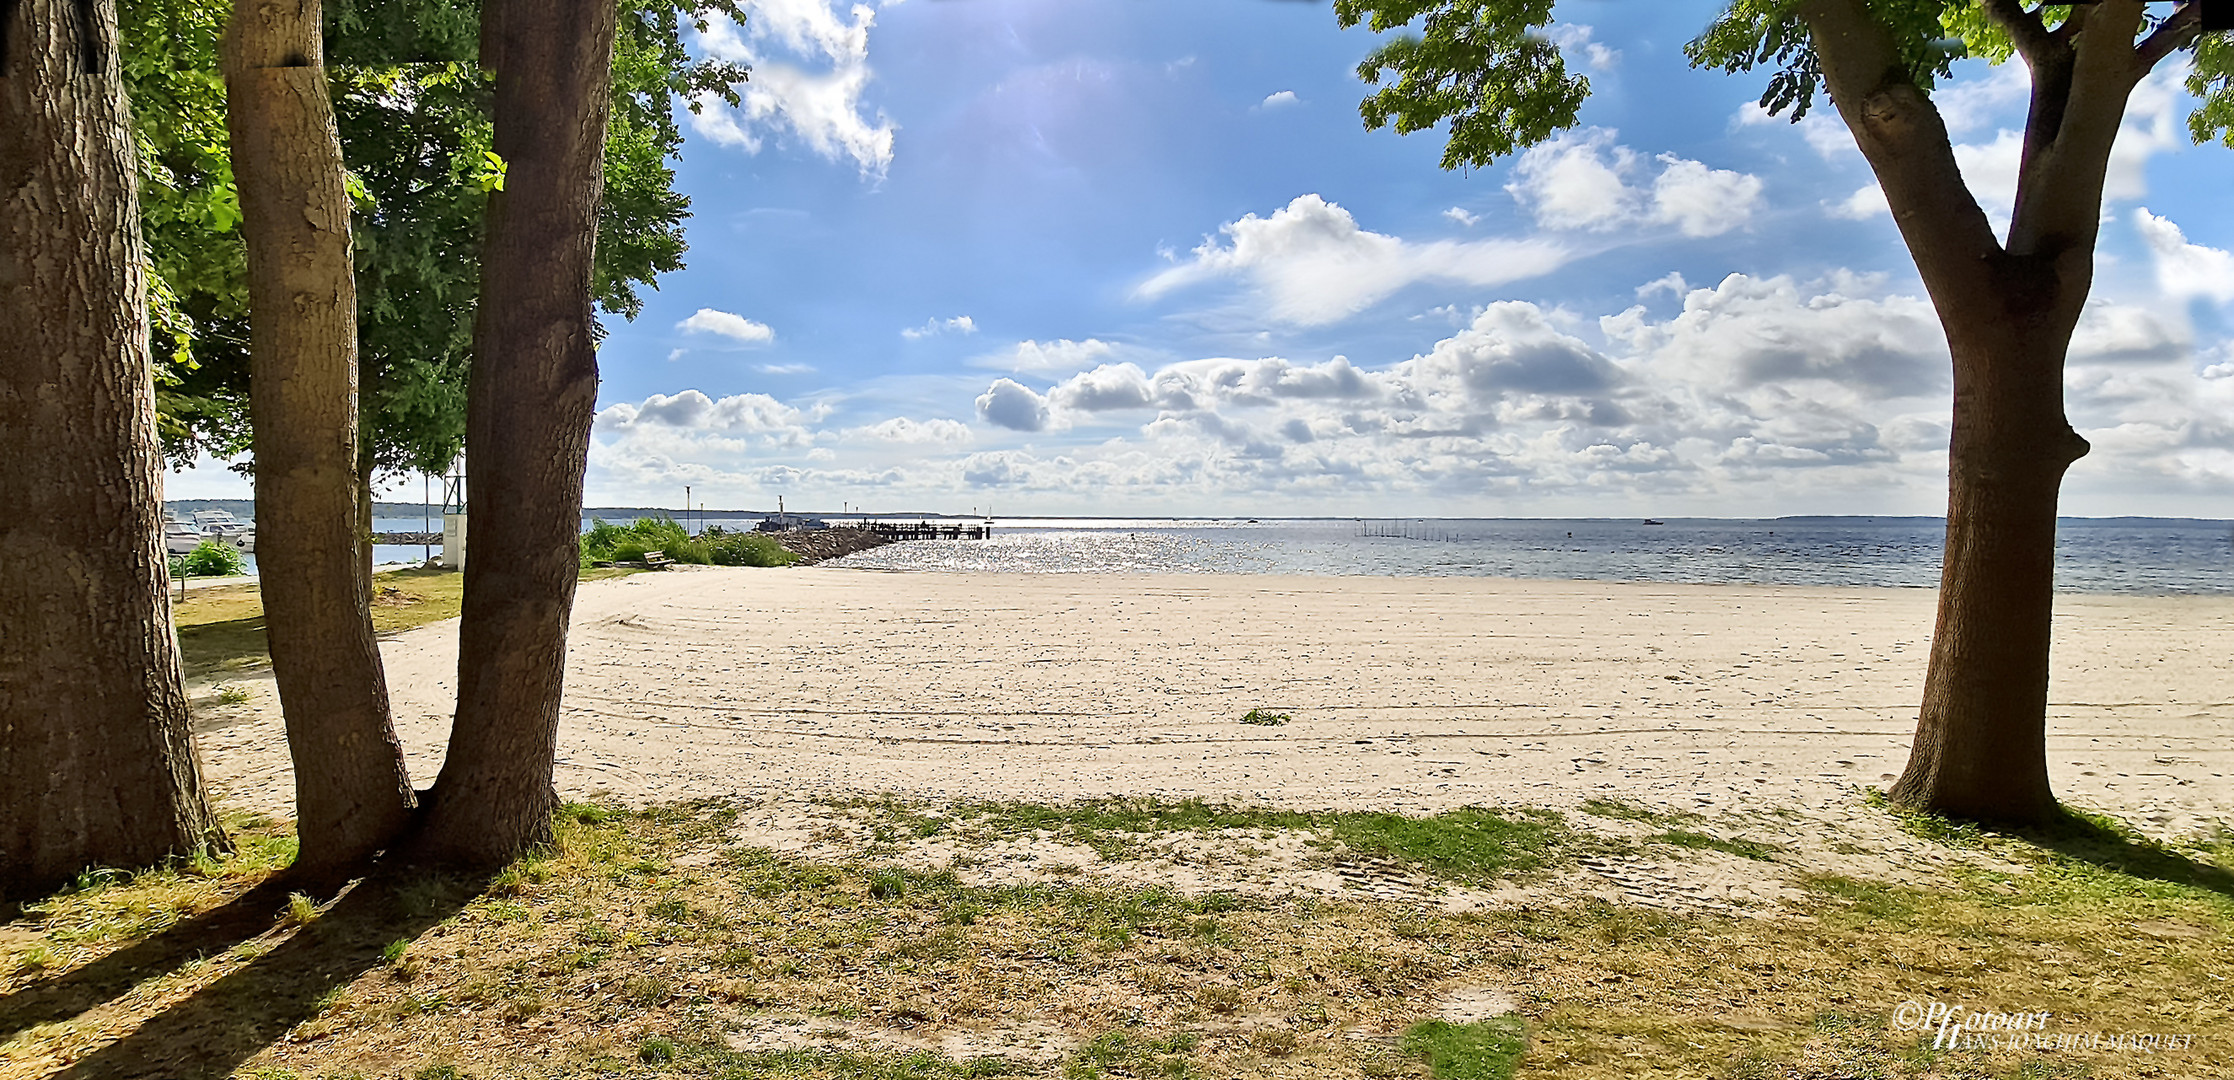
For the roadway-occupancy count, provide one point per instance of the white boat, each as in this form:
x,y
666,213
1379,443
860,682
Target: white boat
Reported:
x,y
180,537
221,525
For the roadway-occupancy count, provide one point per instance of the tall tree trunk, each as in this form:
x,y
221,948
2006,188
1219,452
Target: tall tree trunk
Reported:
x,y
529,405
97,762
1981,736
351,792
2008,310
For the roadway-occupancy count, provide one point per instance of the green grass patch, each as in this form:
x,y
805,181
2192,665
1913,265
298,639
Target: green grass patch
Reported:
x,y
1489,1050
1265,718
1468,844
1130,1054
1699,841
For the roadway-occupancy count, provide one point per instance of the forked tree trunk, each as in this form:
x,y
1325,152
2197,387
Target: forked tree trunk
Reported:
x,y
352,796
2008,310
529,405
97,764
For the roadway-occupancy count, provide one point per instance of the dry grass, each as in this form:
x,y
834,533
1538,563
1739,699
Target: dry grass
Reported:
x,y
651,944
221,629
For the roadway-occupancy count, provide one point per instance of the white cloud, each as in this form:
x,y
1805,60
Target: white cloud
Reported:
x,y
810,68
1574,181
744,414
1865,203
1012,405
724,324
1701,201
1060,355
784,369
938,432
960,324
1461,215
2182,268
1574,39
1580,181
1279,98
1313,265
1760,395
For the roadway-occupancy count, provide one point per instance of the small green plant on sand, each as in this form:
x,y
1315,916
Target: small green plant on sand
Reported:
x,y
232,695
301,910
1265,718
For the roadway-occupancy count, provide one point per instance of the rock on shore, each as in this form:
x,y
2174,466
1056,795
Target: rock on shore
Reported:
x,y
819,545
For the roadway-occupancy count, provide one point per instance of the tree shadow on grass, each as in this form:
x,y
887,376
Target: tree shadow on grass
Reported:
x,y
211,932
234,644
2104,843
210,1033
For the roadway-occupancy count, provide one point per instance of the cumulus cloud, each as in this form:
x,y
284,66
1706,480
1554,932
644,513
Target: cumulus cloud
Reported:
x,y
1574,39
1461,215
724,324
1278,98
1012,405
1758,395
960,324
1314,265
1060,355
739,414
2182,268
1581,180
1751,332
900,429
810,69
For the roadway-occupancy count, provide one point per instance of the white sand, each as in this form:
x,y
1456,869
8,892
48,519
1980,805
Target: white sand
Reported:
x,y
1407,693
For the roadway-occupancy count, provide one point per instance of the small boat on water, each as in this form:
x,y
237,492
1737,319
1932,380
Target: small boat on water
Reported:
x,y
221,525
1649,521
180,536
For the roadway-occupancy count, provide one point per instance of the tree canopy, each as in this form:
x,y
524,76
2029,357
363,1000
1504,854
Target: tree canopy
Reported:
x,y
412,107
1489,70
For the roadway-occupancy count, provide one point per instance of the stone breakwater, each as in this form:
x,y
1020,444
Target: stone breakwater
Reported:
x,y
819,545
407,538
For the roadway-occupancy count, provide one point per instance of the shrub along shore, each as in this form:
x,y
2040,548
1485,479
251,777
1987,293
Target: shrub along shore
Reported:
x,y
609,543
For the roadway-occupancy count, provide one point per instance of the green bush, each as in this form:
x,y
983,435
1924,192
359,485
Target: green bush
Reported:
x,y
748,549
606,542
211,558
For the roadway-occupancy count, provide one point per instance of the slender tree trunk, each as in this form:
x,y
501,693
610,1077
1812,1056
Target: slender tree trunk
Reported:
x,y
352,795
529,405
97,762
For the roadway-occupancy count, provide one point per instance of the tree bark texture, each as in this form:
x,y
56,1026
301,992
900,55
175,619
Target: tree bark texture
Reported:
x,y
2008,311
530,401
97,761
352,794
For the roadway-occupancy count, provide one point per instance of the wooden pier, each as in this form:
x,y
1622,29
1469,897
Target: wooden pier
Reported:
x,y
926,530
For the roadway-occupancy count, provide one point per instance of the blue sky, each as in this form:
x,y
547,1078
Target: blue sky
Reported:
x,y
1141,257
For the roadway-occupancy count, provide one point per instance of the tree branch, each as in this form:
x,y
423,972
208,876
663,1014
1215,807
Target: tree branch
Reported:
x,y
2176,32
2034,42
1905,140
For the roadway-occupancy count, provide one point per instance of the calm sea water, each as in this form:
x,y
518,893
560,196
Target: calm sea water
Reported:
x,y
2152,555
2118,555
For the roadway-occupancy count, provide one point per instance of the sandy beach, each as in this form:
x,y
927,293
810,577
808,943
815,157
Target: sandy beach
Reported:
x,y
1413,694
